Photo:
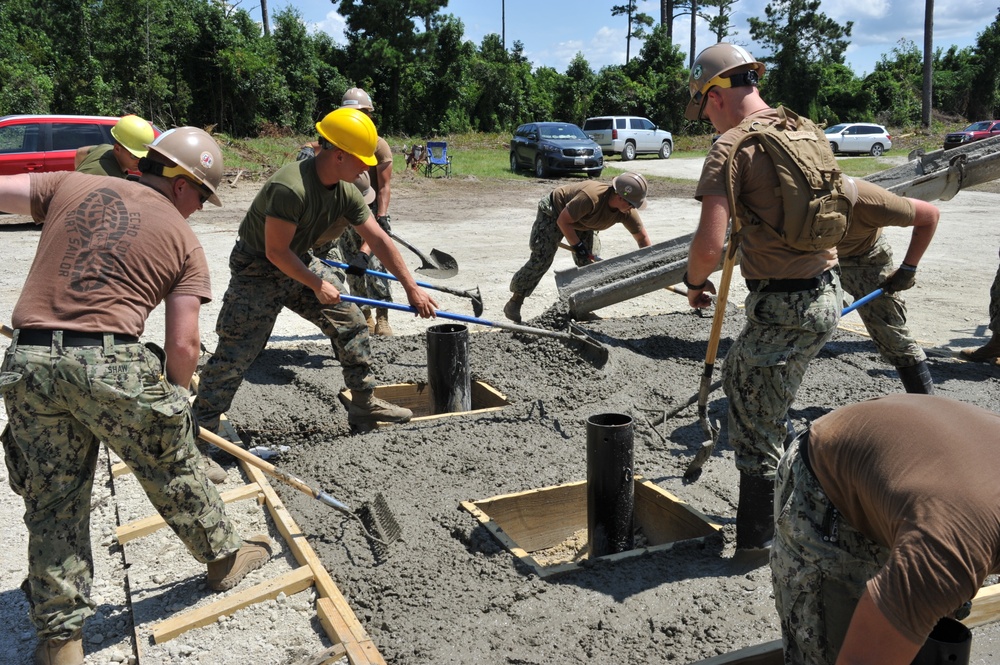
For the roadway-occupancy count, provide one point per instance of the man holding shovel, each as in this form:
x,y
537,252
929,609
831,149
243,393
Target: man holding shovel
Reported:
x,y
888,520
866,265
794,301
272,269
577,212
75,374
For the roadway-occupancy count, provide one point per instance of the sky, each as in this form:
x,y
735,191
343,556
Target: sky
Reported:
x,y
554,31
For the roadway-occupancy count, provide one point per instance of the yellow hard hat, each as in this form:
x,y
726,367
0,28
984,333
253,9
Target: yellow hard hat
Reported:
x,y
134,134
718,65
352,131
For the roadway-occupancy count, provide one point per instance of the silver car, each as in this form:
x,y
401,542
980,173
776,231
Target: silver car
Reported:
x,y
858,137
629,136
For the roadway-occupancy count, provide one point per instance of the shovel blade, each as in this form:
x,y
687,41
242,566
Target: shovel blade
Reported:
x,y
439,265
693,471
592,350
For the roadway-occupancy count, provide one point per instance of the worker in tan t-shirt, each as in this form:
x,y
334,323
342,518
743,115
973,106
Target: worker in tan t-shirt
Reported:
x,y
866,264
888,520
575,213
110,251
794,298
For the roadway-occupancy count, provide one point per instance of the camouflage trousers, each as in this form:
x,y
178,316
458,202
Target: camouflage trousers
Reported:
x,y
544,244
765,366
885,316
819,565
256,295
61,403
364,286
995,304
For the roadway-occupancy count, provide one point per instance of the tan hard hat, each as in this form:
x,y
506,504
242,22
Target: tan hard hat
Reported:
x,y
364,185
631,187
190,152
712,67
357,98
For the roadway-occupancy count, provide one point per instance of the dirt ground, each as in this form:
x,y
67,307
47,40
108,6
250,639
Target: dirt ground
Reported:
x,y
449,592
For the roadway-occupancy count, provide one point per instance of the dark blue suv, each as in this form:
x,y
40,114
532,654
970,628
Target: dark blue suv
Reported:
x,y
555,147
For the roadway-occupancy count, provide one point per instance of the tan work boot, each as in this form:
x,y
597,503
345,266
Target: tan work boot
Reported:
x,y
382,326
370,320
512,310
984,354
60,652
364,410
213,471
226,573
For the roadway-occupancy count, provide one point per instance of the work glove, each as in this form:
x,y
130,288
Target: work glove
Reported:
x,y
358,265
583,254
901,279
383,221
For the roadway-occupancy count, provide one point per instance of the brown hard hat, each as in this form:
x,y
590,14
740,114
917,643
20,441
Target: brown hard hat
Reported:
x,y
712,67
632,187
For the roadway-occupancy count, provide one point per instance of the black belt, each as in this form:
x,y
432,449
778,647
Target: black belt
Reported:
x,y
246,249
790,285
804,452
28,337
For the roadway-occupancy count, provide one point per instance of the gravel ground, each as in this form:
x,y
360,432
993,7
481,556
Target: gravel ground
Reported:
x,y
449,592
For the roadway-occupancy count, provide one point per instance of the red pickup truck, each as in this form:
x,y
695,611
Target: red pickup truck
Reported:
x,y
974,132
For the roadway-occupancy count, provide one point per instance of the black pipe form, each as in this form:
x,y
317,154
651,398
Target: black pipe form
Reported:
x,y
610,485
950,643
448,368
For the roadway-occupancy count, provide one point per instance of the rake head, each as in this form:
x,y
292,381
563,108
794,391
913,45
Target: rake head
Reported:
x,y
379,519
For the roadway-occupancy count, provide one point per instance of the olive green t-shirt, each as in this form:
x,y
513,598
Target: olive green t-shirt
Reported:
x,y
101,160
296,195
588,205
755,185
876,208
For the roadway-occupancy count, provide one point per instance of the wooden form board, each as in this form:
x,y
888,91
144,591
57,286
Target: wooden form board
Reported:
x,y
335,615
538,519
416,398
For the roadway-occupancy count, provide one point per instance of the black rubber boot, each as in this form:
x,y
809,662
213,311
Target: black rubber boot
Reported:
x,y
755,513
512,310
917,378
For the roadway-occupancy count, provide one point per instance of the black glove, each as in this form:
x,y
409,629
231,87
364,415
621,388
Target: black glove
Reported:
x,y
359,264
583,254
383,221
901,279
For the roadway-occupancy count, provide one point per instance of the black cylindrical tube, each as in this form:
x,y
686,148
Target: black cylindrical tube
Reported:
x,y
610,487
950,643
448,368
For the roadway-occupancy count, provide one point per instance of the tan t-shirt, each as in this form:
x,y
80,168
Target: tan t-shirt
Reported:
x,y
755,185
588,205
110,251
876,208
918,475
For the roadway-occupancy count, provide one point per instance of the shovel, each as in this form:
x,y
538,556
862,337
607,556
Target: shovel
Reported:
x,y
472,294
592,350
378,516
438,264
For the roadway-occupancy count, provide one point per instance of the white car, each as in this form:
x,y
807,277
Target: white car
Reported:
x,y
629,136
858,137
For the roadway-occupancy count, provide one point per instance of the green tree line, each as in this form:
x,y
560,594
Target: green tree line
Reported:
x,y
208,63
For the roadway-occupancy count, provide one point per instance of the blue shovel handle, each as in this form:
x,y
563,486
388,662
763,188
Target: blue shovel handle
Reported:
x,y
861,301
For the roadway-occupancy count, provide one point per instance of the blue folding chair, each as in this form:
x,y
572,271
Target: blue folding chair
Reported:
x,y
437,158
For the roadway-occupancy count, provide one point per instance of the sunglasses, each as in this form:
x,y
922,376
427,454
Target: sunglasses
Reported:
x,y
203,194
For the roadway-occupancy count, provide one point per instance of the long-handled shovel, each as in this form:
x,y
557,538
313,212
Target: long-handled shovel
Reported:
x,y
379,516
472,294
592,350
712,429
438,264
